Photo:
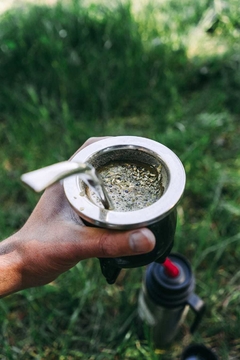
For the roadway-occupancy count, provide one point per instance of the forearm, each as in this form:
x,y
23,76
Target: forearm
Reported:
x,y
10,268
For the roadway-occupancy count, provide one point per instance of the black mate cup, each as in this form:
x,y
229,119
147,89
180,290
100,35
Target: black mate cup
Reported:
x,y
159,216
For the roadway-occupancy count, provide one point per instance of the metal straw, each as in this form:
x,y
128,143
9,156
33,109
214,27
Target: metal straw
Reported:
x,y
40,179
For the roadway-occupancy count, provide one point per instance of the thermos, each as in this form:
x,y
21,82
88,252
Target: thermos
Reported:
x,y
166,295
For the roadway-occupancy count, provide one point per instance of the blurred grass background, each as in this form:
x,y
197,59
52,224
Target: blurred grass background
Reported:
x,y
166,70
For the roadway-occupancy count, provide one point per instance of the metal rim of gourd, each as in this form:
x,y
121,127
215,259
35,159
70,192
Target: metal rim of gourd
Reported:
x,y
138,148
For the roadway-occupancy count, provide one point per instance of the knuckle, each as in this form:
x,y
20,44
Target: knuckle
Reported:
x,y
90,141
105,246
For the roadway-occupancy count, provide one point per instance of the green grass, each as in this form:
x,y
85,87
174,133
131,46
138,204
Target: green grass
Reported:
x,y
170,72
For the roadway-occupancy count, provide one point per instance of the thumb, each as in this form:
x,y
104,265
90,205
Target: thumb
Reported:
x,y
95,242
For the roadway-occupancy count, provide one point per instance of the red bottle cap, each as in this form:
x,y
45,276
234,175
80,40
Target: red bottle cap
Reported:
x,y
170,268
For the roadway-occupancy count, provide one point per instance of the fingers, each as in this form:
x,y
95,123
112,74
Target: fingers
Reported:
x,y
93,140
89,142
95,242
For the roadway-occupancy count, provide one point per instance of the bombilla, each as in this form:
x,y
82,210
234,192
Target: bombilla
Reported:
x,y
40,179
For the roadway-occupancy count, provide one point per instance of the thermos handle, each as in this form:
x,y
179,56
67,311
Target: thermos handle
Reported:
x,y
198,306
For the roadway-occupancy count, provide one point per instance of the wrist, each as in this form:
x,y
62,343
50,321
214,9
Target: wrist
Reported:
x,y
10,267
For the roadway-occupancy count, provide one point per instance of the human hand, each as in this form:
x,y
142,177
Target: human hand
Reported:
x,y
54,239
